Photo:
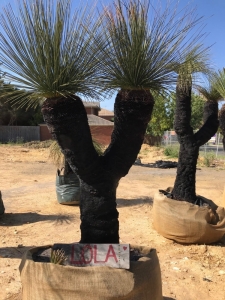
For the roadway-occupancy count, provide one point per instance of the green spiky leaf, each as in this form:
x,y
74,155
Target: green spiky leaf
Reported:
x,y
47,52
218,79
209,93
144,44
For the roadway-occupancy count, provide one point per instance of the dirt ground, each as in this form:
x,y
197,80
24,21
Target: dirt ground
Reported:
x,y
34,218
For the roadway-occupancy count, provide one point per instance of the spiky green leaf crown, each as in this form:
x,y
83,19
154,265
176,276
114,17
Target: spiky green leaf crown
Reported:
x,y
209,93
47,51
144,45
218,78
196,61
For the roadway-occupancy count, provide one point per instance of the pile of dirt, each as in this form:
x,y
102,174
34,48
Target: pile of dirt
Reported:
x,y
149,154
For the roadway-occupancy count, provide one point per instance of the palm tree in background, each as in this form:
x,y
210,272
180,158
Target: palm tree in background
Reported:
x,y
196,61
219,79
53,56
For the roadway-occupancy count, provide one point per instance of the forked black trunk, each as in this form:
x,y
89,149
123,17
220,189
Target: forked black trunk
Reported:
x,y
99,175
190,142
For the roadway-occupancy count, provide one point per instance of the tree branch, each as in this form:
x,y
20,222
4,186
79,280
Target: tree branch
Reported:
x,y
211,123
67,121
133,111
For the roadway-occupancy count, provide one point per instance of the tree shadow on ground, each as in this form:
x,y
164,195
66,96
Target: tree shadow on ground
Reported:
x,y
14,252
134,202
17,219
168,298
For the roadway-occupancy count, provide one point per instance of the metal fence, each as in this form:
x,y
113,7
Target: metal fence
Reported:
x,y
19,134
213,145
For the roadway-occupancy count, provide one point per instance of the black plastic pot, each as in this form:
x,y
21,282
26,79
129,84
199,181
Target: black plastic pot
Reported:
x,y
67,188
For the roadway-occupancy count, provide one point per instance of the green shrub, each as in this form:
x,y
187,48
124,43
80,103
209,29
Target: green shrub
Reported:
x,y
209,158
172,151
19,140
58,257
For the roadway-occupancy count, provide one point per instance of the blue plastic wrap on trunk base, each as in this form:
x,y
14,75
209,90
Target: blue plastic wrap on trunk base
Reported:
x,y
67,189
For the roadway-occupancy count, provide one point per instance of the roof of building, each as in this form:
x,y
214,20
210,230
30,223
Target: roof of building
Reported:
x,y
105,112
97,121
92,104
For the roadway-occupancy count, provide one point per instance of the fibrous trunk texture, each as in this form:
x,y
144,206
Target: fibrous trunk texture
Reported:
x,y
99,175
67,168
222,123
184,186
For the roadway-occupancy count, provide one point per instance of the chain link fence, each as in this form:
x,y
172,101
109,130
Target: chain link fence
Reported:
x,y
214,145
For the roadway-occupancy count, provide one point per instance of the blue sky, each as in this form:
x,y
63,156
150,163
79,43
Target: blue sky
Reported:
x,y
213,12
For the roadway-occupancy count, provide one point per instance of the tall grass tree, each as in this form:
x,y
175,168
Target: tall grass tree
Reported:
x,y
50,58
55,57
197,61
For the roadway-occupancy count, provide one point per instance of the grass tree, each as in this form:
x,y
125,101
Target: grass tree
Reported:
x,y
219,79
54,56
190,141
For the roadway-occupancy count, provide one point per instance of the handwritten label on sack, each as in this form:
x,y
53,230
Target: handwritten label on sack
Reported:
x,y
81,255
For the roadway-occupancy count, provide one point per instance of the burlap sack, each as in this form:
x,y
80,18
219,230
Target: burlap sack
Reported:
x,y
187,223
47,281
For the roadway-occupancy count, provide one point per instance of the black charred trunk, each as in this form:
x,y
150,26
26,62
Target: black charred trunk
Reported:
x,y
190,142
99,175
222,123
184,186
67,168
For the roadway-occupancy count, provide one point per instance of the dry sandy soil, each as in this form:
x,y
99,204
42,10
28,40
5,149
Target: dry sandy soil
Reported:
x,y
33,218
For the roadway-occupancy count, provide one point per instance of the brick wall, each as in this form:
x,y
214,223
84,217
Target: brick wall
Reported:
x,y
102,134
